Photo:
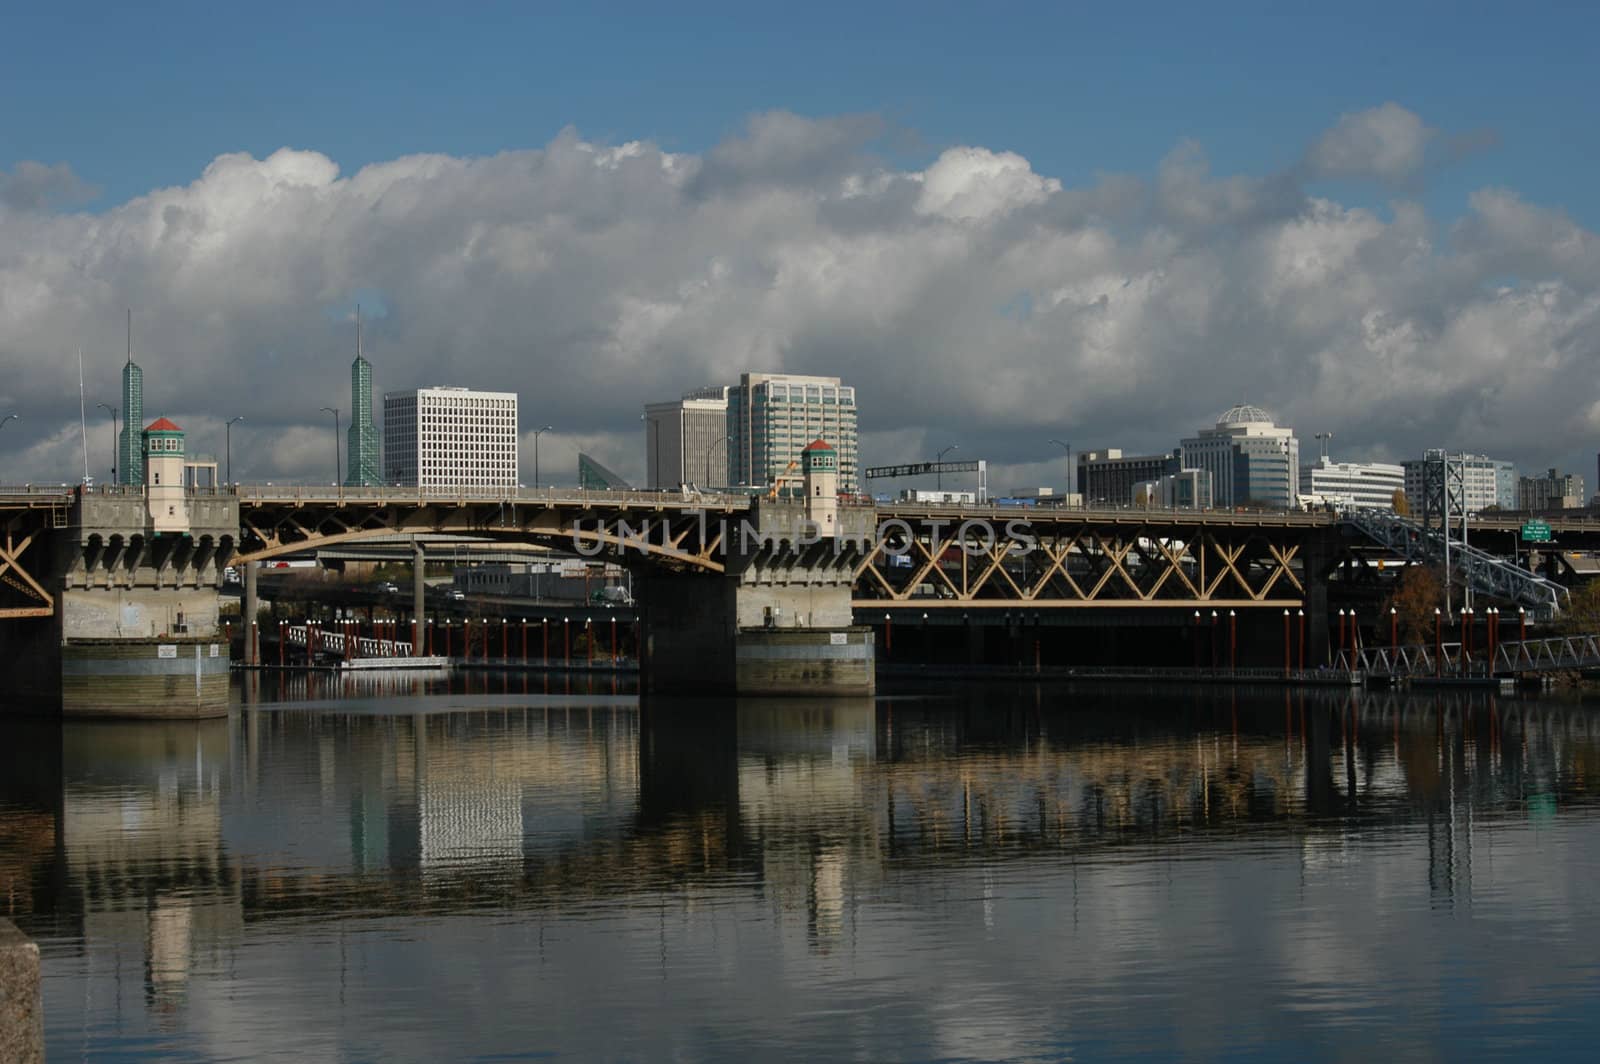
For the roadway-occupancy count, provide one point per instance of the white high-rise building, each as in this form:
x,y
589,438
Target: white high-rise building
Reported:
x,y
450,439
772,417
1352,485
685,441
1250,459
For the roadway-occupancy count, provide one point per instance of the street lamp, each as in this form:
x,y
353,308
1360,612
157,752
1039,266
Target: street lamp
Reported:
x,y
655,480
938,475
113,411
1065,446
536,434
9,417
227,438
337,474
713,447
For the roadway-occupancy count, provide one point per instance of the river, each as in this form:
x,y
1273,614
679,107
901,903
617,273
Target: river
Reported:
x,y
500,868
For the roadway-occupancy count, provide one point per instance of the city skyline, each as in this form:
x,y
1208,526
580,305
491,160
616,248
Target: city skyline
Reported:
x,y
1389,256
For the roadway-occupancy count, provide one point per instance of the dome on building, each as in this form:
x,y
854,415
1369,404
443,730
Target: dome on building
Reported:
x,y
1245,414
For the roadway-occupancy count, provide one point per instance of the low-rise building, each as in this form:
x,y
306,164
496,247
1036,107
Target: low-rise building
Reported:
x,y
1187,489
1107,477
1353,485
1553,491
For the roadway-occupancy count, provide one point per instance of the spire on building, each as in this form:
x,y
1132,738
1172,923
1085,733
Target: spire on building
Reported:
x,y
130,444
365,463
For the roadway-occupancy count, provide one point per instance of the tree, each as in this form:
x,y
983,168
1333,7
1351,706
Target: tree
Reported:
x,y
1419,594
1582,616
1400,504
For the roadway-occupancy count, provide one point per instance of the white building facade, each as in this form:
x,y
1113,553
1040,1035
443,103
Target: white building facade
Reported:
x,y
1352,485
685,441
1250,458
772,417
450,439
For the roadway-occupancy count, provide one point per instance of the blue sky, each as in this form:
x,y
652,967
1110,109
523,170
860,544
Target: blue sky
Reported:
x,y
140,96
1376,220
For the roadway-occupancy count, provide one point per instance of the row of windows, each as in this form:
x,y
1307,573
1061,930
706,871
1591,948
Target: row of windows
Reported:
x,y
164,444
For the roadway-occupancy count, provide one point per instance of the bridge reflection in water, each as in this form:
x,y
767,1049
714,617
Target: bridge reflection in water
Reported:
x,y
154,854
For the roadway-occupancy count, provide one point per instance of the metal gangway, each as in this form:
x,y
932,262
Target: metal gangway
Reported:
x,y
1485,573
332,641
1553,654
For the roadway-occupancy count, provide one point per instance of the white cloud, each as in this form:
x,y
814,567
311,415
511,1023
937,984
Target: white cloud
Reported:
x,y
1386,142
973,301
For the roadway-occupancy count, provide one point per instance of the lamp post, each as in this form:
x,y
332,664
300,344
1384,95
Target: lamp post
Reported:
x,y
536,434
227,438
938,476
1065,446
713,447
337,473
113,411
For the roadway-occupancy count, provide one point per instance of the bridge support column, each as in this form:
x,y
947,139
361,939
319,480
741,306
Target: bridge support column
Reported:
x,y
419,598
1318,551
249,607
777,621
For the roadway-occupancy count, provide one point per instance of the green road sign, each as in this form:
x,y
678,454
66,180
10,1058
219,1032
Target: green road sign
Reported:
x,y
1536,532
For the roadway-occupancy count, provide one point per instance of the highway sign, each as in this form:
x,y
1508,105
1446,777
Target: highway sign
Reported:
x,y
1536,531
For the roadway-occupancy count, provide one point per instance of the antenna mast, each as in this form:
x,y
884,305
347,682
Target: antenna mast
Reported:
x,y
83,420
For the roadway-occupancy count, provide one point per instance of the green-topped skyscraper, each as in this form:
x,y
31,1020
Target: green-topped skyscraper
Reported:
x,y
365,465
130,442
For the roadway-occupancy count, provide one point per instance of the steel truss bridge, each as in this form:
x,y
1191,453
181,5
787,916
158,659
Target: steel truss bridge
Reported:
x,y
985,557
925,557
1556,654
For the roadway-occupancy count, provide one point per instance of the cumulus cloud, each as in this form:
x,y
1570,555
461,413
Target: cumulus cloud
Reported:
x,y
972,300
1386,142
34,186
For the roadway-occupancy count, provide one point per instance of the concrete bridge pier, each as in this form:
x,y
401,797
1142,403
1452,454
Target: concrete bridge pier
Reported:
x,y
135,628
777,621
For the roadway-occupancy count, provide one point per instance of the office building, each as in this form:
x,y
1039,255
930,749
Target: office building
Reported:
x,y
1553,491
449,439
685,441
130,445
364,468
1489,482
1109,478
1251,459
1351,485
1187,489
773,416
592,476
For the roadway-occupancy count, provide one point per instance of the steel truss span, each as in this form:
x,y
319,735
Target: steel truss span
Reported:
x,y
676,532
1082,559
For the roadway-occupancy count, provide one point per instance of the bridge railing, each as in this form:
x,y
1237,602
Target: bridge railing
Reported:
x,y
272,493
1552,654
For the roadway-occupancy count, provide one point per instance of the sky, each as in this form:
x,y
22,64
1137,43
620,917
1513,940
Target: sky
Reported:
x,y
1003,225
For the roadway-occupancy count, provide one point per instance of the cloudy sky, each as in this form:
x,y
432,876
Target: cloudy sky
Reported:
x,y
1042,227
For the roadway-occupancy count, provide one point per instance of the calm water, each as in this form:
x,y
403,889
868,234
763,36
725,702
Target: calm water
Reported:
x,y
409,873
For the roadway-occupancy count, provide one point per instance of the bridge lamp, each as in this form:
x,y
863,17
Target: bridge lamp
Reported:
x,y
938,475
227,440
337,473
536,434
108,408
9,417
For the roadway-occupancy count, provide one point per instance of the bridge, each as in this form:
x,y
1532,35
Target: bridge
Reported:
x,y
1569,653
89,564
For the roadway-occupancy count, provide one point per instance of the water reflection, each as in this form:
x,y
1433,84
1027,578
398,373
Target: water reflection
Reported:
x,y
979,873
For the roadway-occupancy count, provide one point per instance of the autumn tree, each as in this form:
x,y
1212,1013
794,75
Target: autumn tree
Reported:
x,y
1419,594
1582,615
1400,504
